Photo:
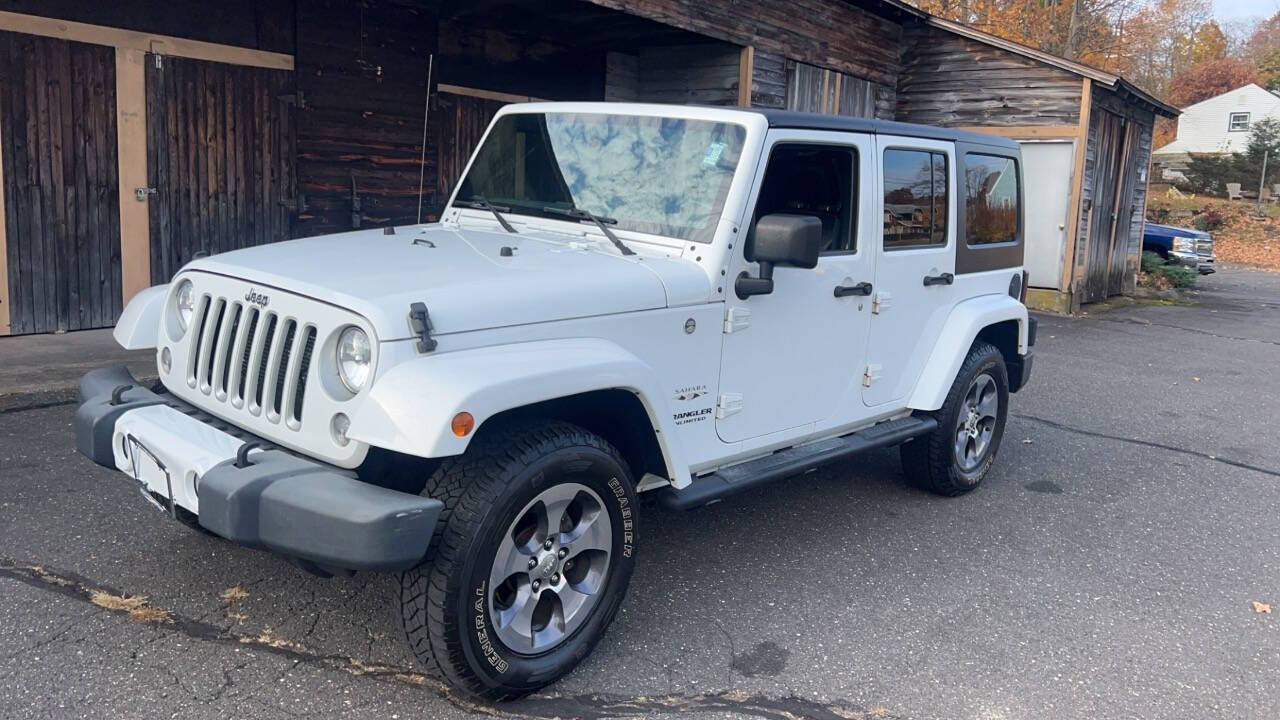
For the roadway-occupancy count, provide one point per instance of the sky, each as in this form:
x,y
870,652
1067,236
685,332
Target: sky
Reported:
x,y
1226,10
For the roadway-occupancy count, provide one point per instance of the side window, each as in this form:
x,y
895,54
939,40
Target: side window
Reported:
x,y
990,199
817,180
915,199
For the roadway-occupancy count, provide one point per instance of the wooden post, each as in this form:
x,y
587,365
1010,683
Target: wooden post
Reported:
x,y
1067,281
746,72
6,327
131,129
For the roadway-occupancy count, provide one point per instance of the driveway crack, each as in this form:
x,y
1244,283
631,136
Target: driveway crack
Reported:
x,y
1148,443
587,706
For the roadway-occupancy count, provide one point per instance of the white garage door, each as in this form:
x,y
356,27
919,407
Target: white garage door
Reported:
x,y
1047,173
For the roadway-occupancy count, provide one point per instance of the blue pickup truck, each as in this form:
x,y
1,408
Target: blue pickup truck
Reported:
x,y
1185,246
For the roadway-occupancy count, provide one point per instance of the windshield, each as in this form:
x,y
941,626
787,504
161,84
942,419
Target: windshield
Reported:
x,y
663,176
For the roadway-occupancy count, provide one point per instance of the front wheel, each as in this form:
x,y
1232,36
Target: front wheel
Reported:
x,y
954,458
532,557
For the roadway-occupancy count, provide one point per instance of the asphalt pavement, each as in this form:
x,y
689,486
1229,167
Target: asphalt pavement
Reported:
x,y
1108,568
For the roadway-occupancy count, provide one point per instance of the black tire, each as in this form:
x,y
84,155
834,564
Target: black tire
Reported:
x,y
931,461
443,610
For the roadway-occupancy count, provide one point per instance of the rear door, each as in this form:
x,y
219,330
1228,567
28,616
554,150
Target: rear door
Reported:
x,y
915,267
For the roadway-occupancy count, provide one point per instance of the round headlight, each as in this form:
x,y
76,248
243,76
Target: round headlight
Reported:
x,y
354,358
186,301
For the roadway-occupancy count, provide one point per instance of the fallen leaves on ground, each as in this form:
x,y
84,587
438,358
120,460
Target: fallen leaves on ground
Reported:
x,y
1244,238
233,595
1261,608
135,605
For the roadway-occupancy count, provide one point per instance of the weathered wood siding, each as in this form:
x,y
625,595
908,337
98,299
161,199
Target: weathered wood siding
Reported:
x,y
702,74
818,90
477,52
220,156
829,34
362,75
690,75
256,24
1125,242
621,77
1107,133
458,123
58,114
950,80
768,80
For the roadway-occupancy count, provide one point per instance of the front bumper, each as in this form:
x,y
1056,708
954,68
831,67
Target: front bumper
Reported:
x,y
186,462
1185,259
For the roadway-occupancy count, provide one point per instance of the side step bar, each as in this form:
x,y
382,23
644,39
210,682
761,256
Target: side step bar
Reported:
x,y
785,463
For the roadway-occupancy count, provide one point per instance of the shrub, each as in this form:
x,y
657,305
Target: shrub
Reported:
x,y
1151,262
1209,220
1161,275
1181,277
1159,214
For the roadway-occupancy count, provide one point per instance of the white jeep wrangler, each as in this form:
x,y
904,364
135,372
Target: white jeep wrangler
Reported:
x,y
619,300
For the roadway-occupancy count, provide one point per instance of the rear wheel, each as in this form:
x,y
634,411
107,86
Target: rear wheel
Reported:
x,y
954,458
532,557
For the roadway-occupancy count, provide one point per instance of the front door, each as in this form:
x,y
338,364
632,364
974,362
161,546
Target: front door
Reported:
x,y
792,358
916,267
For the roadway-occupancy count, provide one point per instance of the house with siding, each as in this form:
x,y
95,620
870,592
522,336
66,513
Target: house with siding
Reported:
x,y
136,134
1217,126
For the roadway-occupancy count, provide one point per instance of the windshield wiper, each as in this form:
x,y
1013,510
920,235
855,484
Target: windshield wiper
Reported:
x,y
479,203
580,214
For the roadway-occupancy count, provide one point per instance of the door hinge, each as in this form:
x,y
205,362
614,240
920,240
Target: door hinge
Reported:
x,y
870,375
297,99
737,318
141,193
728,404
881,302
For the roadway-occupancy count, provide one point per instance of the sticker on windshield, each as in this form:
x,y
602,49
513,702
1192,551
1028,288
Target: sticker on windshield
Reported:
x,y
714,151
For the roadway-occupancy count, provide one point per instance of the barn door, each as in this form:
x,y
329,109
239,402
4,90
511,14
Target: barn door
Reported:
x,y
1125,207
220,159
460,122
62,214
1108,159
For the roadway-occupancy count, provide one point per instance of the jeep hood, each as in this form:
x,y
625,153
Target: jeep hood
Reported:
x,y
466,278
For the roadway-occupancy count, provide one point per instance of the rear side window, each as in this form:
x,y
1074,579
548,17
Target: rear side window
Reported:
x,y
991,199
915,199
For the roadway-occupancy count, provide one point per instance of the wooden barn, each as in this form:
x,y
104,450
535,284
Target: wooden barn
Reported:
x,y
138,133
1086,149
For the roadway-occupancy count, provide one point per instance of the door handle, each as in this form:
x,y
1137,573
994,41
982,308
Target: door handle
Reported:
x,y
862,288
943,279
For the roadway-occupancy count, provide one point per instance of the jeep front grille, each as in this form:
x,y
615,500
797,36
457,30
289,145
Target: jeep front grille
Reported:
x,y
250,358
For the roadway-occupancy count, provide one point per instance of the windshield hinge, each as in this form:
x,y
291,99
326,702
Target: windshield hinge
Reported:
x,y
870,375
728,404
420,323
737,318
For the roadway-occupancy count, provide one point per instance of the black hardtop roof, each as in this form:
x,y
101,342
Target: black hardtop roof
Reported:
x,y
842,123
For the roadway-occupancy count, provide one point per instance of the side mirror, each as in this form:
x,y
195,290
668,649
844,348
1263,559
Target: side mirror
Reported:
x,y
779,239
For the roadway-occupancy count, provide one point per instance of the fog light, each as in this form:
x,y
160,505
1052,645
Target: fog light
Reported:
x,y
463,423
340,425
166,360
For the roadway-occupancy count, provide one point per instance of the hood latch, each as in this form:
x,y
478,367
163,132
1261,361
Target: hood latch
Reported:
x,y
420,322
